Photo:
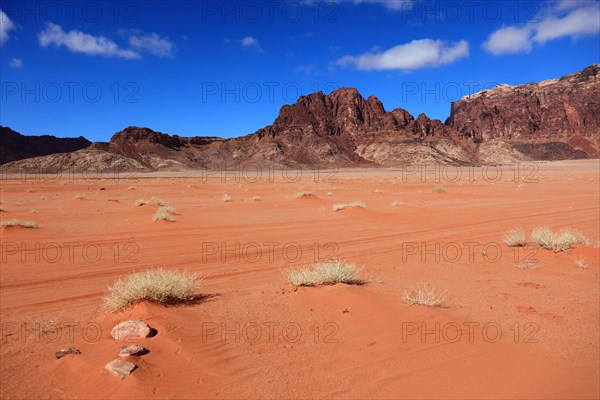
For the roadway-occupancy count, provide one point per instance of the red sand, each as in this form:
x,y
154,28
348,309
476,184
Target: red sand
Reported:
x,y
523,333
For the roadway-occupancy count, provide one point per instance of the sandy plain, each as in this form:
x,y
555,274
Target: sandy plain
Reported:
x,y
502,332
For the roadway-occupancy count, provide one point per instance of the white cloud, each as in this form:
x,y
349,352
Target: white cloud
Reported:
x,y
80,42
573,19
409,56
249,41
569,4
152,43
509,40
15,63
6,25
579,22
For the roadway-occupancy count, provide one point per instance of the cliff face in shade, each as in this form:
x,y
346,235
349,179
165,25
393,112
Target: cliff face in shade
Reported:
x,y
565,110
14,146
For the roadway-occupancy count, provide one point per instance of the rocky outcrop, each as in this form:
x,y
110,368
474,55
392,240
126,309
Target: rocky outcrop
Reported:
x,y
563,111
77,161
14,146
343,128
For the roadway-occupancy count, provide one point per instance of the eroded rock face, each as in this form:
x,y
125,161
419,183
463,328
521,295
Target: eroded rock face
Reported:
x,y
563,110
337,129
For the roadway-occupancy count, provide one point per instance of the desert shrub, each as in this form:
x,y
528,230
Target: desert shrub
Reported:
x,y
438,189
160,286
327,272
515,238
162,214
226,197
543,237
157,200
336,271
565,240
18,222
341,206
580,263
300,277
525,265
305,195
424,296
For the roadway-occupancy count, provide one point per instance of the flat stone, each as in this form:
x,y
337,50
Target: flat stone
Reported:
x,y
120,368
63,352
132,350
130,330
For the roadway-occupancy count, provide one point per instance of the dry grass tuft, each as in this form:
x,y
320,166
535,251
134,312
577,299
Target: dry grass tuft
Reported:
x,y
515,238
396,203
300,277
159,286
581,264
525,265
438,189
256,198
226,197
79,197
341,206
544,237
157,200
305,195
565,240
141,202
336,271
424,296
327,273
18,222
163,214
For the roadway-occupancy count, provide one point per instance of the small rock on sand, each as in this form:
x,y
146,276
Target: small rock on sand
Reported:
x,y
132,350
69,350
120,368
130,330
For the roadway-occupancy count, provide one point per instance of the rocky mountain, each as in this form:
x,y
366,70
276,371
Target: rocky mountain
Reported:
x,y
550,120
553,119
14,146
343,128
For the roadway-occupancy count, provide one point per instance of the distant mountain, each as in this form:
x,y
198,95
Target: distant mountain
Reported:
x,y
14,146
550,120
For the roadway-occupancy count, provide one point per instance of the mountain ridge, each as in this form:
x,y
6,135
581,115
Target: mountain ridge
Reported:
x,y
553,119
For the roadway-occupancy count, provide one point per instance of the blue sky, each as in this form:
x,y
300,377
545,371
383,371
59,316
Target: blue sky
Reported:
x,y
224,68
